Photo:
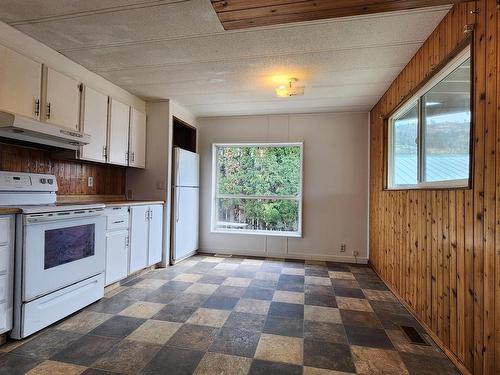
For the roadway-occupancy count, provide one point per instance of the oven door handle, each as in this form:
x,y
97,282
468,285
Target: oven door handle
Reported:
x,y
45,218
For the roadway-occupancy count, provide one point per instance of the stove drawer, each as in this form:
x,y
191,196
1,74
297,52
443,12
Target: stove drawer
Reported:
x,y
49,309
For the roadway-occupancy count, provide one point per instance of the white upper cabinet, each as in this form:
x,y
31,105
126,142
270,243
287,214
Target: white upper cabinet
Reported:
x,y
118,132
137,156
63,100
95,123
20,84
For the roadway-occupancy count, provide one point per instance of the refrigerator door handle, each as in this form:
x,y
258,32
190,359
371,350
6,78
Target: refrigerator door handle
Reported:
x,y
177,202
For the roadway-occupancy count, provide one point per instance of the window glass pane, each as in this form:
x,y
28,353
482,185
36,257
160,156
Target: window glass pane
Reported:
x,y
447,127
256,214
264,171
405,150
258,188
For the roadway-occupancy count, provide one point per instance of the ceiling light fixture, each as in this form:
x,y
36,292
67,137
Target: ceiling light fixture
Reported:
x,y
290,89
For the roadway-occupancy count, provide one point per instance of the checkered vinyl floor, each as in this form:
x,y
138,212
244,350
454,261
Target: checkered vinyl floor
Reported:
x,y
211,315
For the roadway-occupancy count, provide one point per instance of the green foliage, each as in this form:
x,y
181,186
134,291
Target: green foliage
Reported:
x,y
261,171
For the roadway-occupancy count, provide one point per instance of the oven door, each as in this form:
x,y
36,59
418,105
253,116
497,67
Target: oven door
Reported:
x,y
60,249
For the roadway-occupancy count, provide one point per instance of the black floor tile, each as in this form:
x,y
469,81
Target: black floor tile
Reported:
x,y
230,291
278,325
316,272
85,350
260,367
194,337
259,293
173,361
287,310
322,331
117,327
327,355
365,336
360,319
349,292
46,344
425,365
175,313
319,289
324,300
236,341
212,279
250,322
112,305
11,364
267,284
220,302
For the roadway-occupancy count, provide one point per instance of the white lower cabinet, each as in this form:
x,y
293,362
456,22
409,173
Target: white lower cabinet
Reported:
x,y
116,256
155,246
117,244
139,236
145,236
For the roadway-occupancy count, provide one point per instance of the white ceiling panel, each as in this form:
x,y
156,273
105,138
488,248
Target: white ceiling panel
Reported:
x,y
178,49
156,21
34,10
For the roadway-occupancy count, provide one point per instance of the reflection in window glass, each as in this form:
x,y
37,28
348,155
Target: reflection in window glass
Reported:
x,y
447,127
405,150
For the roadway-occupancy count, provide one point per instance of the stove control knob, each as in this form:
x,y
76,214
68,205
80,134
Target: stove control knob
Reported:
x,y
50,181
43,181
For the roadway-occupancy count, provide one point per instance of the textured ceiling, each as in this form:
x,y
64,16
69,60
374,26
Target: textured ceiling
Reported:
x,y
179,50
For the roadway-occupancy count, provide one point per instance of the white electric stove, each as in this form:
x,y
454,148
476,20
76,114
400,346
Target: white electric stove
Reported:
x,y
59,260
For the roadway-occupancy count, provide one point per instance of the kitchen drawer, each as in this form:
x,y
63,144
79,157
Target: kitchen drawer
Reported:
x,y
4,285
5,230
117,221
4,258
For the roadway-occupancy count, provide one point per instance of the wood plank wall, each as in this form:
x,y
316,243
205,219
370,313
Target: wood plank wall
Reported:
x,y
71,175
439,250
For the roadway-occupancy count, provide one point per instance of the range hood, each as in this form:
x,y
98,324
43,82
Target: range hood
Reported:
x,y
30,130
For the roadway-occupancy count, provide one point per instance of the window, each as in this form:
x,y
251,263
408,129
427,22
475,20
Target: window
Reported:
x,y
257,188
429,136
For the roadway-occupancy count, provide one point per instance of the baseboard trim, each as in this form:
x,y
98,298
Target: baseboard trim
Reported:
x,y
459,365
320,257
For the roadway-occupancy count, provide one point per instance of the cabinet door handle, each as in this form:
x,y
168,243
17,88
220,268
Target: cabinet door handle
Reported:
x,y
151,214
126,156
133,156
104,154
118,221
37,107
48,110
146,215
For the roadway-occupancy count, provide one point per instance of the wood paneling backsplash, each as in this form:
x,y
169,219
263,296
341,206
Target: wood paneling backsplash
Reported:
x,y
71,175
439,250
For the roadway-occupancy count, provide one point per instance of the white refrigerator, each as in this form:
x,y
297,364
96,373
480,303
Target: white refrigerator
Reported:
x,y
185,218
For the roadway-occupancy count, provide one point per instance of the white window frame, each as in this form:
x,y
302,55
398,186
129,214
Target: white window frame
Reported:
x,y
416,100
215,195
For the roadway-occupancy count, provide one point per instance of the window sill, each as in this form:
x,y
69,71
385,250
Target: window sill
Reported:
x,y
445,185
258,233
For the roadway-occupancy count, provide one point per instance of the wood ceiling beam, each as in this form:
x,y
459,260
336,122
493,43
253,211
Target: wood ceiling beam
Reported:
x,y
241,14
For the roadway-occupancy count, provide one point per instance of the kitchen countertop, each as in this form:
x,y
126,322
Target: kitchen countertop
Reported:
x,y
9,210
130,203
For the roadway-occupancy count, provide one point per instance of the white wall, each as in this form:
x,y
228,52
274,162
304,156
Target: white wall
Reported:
x,y
154,182
335,191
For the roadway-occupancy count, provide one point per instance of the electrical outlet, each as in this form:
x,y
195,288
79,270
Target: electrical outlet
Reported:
x,y
343,248
90,181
